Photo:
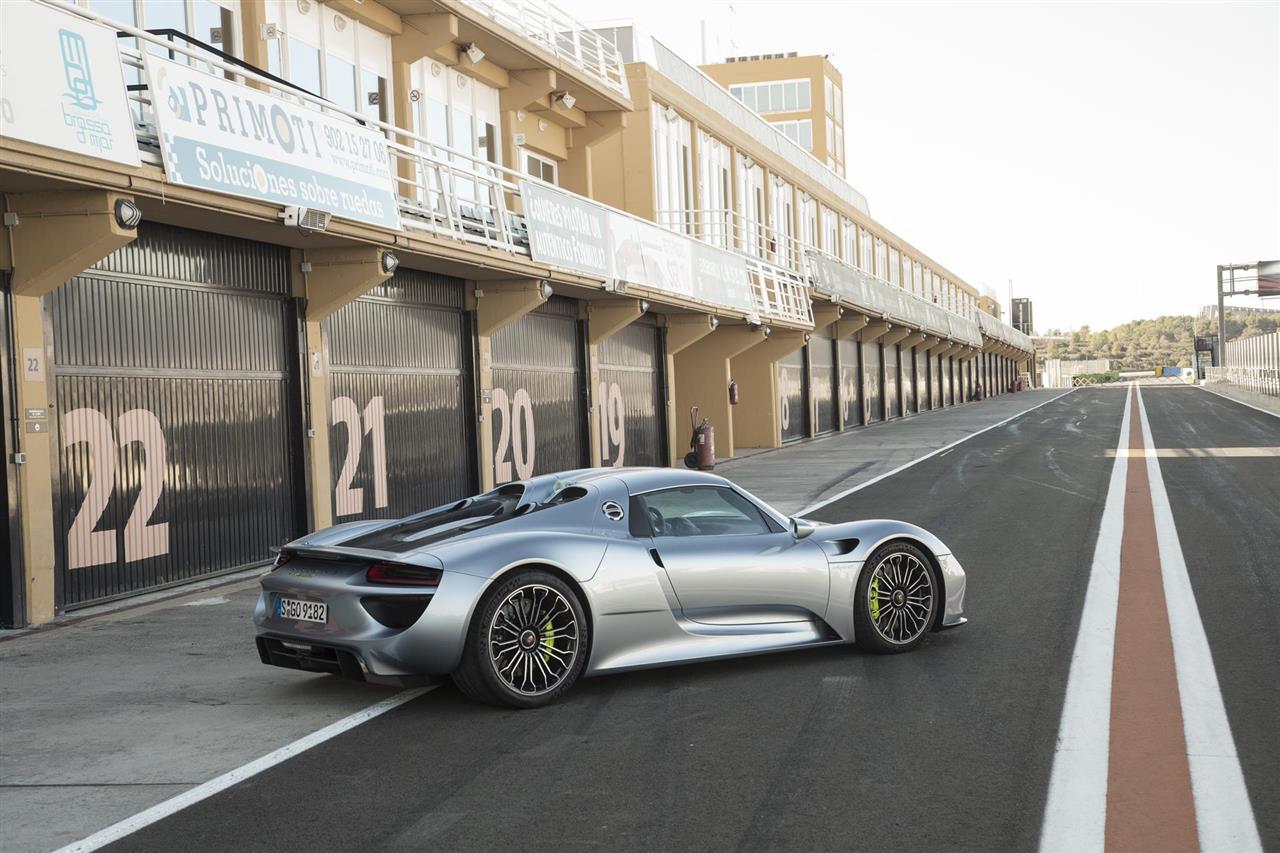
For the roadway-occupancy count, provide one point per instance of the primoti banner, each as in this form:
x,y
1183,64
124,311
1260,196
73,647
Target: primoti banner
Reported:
x,y
218,135
578,234
63,85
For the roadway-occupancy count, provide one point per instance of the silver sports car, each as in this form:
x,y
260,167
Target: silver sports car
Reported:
x,y
518,592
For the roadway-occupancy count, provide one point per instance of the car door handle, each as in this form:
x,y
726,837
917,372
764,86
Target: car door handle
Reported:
x,y
653,552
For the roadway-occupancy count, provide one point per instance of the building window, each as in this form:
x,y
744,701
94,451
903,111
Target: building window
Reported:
x,y
782,214
799,131
781,96
849,235
882,259
715,216
917,274
808,221
539,167
331,56
673,167
894,261
830,232
865,251
751,207
213,22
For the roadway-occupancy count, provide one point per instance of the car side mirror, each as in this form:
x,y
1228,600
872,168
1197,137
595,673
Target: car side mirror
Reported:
x,y
800,528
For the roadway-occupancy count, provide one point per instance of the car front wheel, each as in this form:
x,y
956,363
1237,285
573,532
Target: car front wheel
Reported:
x,y
897,599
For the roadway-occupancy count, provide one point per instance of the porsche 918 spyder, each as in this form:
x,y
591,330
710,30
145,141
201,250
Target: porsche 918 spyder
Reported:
x,y
517,592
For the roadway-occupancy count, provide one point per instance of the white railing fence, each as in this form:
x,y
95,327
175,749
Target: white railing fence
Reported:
x,y
548,25
1251,363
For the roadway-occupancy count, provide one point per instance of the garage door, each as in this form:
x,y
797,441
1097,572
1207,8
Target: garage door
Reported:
x,y
948,382
400,388
822,379
850,382
172,374
935,379
539,418
794,396
871,379
922,381
891,365
908,374
632,399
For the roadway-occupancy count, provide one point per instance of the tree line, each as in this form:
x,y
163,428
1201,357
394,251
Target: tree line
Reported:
x,y
1167,341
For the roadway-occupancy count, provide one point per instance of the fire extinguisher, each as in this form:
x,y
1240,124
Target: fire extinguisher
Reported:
x,y
702,446
733,393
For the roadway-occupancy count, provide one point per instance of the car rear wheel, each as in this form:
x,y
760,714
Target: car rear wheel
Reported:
x,y
897,599
527,642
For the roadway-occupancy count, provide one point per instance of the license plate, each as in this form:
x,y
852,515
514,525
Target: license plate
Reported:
x,y
303,611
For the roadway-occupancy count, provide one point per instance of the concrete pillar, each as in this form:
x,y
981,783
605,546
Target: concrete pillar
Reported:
x,y
57,235
580,172
498,304
682,332
604,318
758,418
328,279
701,378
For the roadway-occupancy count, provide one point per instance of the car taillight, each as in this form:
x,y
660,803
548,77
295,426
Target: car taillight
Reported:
x,y
399,573
282,558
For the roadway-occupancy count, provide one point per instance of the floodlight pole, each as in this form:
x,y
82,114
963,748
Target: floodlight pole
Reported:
x,y
1222,322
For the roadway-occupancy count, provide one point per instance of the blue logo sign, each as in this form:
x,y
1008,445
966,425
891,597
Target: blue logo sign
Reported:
x,y
81,101
75,64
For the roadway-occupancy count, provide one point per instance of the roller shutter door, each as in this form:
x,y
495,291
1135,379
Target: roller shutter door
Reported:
x,y
400,389
632,402
922,381
822,382
891,365
948,383
793,391
172,374
908,374
850,382
871,381
935,380
539,418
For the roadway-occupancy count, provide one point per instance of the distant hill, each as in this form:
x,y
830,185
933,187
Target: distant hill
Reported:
x,y
1151,344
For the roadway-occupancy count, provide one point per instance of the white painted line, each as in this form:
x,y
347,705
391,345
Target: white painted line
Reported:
x,y
1223,813
1241,402
839,495
158,812
1075,815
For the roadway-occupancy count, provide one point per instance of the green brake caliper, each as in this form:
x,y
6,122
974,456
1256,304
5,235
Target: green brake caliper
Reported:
x,y
875,598
548,640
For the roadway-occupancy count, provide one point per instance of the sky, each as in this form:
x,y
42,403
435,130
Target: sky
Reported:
x,y
1103,157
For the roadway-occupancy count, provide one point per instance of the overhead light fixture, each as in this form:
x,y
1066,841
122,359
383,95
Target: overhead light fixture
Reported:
x,y
544,288
389,261
644,306
714,322
474,53
565,100
128,215
671,114
806,337
768,330
306,218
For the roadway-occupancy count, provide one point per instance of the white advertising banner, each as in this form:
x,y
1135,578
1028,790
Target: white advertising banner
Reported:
x,y
577,234
221,136
61,84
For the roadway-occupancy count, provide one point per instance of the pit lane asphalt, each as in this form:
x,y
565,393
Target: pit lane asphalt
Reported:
x,y
944,749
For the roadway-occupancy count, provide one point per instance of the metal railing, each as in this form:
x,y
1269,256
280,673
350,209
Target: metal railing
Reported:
x,y
1260,380
553,29
729,229
440,190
